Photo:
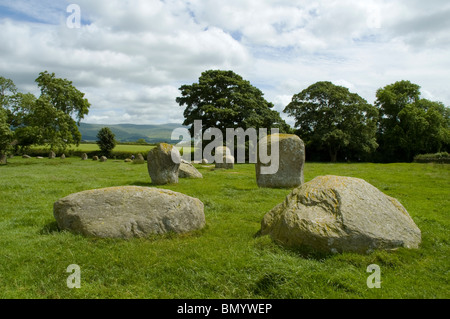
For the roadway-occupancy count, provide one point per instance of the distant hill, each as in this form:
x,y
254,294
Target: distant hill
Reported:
x,y
130,132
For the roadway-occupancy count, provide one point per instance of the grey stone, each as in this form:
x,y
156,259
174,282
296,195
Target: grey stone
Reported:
x,y
129,211
291,162
128,160
227,162
63,156
205,161
187,170
3,159
84,157
161,167
341,214
52,155
103,159
139,159
26,156
95,158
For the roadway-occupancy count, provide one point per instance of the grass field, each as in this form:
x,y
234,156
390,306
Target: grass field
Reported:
x,y
224,260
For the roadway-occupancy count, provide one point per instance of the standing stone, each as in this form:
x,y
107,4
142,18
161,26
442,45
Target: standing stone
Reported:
x,y
95,158
161,167
341,214
187,170
205,161
63,156
128,211
227,162
291,161
103,159
52,155
26,156
84,157
139,159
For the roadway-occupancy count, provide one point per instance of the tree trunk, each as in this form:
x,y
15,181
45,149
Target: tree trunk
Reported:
x,y
333,155
3,159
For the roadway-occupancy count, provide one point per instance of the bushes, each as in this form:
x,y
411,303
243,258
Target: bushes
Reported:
x,y
441,158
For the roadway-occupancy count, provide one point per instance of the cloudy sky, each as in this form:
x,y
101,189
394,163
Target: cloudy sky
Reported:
x,y
130,57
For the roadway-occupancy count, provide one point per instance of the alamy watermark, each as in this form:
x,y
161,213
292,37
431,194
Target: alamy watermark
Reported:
x,y
74,280
374,280
73,21
270,160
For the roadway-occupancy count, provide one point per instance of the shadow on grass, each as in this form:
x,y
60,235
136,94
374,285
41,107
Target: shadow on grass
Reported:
x,y
302,251
50,228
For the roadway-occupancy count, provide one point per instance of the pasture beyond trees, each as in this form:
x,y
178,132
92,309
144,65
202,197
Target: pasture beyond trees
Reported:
x,y
227,259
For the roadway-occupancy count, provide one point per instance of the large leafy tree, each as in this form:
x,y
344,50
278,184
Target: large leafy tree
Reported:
x,y
59,110
330,117
223,99
410,125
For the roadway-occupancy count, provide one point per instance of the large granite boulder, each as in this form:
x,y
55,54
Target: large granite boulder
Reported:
x,y
163,163
291,160
129,211
341,214
187,170
52,155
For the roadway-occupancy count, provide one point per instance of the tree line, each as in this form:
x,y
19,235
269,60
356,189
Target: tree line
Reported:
x,y
334,123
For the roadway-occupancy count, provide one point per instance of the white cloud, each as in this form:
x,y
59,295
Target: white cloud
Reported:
x,y
131,57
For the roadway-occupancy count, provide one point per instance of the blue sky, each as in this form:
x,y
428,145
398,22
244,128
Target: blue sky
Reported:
x,y
131,57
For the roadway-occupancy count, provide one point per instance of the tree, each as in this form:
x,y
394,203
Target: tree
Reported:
x,y
223,99
54,112
409,125
330,117
8,93
106,140
6,136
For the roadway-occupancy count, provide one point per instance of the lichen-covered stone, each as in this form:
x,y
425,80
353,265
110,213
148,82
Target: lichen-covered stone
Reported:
x,y
339,214
129,211
163,163
291,160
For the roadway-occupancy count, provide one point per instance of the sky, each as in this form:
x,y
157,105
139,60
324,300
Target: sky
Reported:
x,y
131,57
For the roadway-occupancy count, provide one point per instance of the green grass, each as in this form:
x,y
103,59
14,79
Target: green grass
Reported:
x,y
224,260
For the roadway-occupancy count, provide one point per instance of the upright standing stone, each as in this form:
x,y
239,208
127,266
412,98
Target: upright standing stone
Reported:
x,y
52,155
95,158
139,159
224,153
103,159
163,163
63,156
3,159
84,157
290,162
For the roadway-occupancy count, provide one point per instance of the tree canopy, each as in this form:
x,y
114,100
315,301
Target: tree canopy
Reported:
x,y
330,117
223,99
409,125
50,119
106,140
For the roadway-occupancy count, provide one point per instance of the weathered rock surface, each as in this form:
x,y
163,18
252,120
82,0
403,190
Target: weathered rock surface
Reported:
x,y
103,159
84,157
95,158
52,155
227,162
187,170
129,211
162,168
290,164
340,214
139,159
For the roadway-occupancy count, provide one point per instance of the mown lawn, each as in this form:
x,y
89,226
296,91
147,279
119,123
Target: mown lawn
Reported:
x,y
226,259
